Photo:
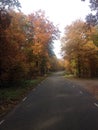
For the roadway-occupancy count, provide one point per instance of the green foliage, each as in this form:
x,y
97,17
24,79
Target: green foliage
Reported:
x,y
95,36
16,91
10,96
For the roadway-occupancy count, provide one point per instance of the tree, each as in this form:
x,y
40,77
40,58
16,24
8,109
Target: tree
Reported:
x,y
5,18
95,36
42,43
92,19
79,48
93,4
74,40
5,21
12,55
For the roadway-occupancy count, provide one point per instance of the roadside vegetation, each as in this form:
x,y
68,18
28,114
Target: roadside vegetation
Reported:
x,y
12,95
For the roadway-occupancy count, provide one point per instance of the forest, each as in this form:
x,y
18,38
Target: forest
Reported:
x,y
26,45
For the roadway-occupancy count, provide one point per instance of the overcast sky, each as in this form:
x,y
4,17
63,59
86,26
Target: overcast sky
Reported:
x,y
60,12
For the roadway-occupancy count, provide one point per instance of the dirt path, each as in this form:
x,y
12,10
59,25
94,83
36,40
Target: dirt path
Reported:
x,y
90,85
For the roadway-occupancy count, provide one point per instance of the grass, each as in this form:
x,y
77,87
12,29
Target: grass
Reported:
x,y
69,76
11,96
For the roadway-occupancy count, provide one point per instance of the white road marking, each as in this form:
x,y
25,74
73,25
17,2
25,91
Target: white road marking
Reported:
x,y
24,99
81,92
96,104
1,122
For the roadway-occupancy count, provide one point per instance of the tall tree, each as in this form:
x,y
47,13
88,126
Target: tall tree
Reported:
x,y
12,57
74,40
44,34
77,45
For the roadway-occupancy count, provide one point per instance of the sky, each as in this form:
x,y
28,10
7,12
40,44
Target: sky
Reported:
x,y
60,12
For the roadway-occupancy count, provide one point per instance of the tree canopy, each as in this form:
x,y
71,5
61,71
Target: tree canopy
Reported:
x,y
5,18
79,48
26,47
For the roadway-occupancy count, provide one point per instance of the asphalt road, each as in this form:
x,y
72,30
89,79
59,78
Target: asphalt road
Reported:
x,y
55,104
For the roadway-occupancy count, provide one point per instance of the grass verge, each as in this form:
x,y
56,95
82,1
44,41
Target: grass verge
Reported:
x,y
11,96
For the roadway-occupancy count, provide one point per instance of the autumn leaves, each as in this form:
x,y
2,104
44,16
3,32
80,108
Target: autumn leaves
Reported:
x,y
80,49
26,47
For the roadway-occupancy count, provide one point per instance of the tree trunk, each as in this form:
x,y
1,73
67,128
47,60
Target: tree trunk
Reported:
x,y
79,66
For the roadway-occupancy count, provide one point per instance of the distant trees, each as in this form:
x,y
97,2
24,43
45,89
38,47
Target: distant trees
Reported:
x,y
26,47
80,50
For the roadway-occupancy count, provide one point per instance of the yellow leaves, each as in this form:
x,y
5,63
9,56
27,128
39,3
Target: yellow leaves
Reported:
x,y
66,63
79,45
48,65
78,39
90,46
37,49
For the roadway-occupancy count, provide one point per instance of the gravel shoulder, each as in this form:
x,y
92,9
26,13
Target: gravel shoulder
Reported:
x,y
91,85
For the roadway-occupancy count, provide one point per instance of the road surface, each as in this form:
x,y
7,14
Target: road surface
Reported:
x,y
55,104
